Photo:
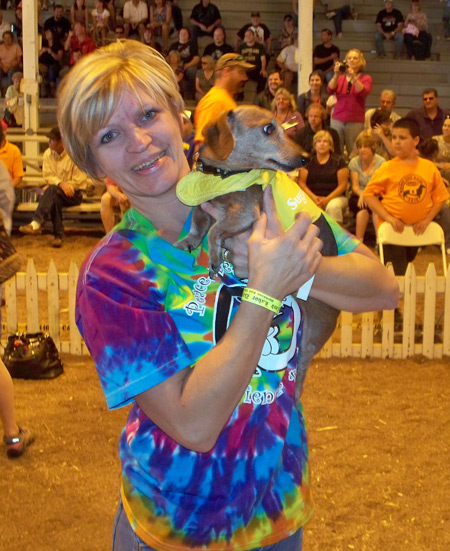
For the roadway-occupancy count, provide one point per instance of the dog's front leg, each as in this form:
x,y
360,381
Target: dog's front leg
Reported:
x,y
200,224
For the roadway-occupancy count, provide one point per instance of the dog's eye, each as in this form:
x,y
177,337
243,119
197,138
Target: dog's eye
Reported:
x,y
269,128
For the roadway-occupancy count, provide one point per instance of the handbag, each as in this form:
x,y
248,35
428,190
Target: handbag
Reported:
x,y
32,356
10,260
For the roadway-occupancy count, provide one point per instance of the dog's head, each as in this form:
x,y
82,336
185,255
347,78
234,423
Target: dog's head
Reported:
x,y
248,137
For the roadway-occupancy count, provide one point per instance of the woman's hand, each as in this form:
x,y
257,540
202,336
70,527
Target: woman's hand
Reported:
x,y
361,202
271,257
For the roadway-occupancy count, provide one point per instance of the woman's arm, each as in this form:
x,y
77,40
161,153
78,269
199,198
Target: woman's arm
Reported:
x,y
342,183
355,282
302,179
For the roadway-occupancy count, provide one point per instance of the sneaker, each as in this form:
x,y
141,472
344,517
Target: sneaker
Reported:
x,y
16,445
57,243
29,230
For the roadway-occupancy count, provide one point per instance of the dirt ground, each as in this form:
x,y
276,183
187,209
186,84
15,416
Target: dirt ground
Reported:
x,y
379,434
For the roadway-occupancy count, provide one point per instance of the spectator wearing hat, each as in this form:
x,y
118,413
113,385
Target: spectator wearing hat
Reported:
x,y
64,184
231,75
287,32
254,53
261,31
389,24
204,19
11,157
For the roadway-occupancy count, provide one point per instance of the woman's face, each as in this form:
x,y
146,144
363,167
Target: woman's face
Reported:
x,y
365,152
141,149
446,129
353,60
322,145
315,82
282,102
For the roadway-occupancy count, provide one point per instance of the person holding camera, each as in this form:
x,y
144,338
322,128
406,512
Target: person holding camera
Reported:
x,y
351,88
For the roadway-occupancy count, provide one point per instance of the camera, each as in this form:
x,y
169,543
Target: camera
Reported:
x,y
342,67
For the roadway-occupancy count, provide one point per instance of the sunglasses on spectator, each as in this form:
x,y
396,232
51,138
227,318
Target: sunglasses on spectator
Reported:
x,y
349,86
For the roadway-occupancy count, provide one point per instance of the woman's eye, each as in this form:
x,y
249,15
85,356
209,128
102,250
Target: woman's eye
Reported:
x,y
108,137
148,115
269,128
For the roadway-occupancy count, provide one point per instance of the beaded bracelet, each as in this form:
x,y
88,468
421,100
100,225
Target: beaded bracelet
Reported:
x,y
260,299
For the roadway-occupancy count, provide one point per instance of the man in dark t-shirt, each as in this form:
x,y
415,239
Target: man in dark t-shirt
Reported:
x,y
325,54
204,18
255,54
389,24
59,24
219,47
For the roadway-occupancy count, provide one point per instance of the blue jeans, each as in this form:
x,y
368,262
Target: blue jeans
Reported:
x,y
124,538
379,43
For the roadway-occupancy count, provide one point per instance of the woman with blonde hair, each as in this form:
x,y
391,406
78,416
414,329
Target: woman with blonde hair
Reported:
x,y
214,452
325,178
351,88
284,110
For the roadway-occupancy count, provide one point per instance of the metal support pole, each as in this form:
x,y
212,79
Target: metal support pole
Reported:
x,y
31,74
305,43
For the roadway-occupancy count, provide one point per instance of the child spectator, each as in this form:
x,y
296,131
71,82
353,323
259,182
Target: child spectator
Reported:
x,y
100,20
412,193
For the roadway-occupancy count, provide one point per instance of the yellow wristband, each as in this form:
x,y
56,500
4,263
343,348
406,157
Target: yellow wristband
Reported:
x,y
260,299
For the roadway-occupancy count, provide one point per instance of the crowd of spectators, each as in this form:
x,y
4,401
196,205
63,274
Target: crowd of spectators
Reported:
x,y
334,104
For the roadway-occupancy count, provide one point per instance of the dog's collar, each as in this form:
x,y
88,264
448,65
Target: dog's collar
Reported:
x,y
215,171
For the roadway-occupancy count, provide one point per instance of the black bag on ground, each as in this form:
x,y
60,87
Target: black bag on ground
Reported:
x,y
32,356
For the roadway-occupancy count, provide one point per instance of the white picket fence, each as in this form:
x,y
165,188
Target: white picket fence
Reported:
x,y
426,316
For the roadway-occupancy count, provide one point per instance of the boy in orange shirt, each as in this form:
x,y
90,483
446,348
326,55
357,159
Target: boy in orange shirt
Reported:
x,y
412,192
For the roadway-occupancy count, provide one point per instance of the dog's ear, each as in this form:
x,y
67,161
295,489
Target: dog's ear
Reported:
x,y
218,136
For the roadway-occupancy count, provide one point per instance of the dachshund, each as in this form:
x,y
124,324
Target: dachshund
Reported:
x,y
239,141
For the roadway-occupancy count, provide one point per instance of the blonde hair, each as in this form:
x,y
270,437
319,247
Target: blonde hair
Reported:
x,y
285,92
362,59
90,93
323,134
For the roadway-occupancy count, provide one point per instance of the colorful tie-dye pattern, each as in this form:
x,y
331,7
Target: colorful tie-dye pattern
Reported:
x,y
147,310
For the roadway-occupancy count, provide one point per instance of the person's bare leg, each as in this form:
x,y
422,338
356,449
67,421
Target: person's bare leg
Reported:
x,y
362,219
7,412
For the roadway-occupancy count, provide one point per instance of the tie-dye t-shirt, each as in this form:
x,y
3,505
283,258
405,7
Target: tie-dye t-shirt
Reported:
x,y
148,310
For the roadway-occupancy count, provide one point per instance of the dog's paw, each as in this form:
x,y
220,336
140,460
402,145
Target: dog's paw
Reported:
x,y
186,244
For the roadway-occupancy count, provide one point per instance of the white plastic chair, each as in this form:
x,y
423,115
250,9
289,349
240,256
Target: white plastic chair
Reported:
x,y
433,235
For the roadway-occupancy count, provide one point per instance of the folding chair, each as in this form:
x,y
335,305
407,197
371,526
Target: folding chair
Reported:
x,y
433,235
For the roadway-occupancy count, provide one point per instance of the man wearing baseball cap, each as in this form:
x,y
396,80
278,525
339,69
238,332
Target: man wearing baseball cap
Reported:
x,y
231,74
